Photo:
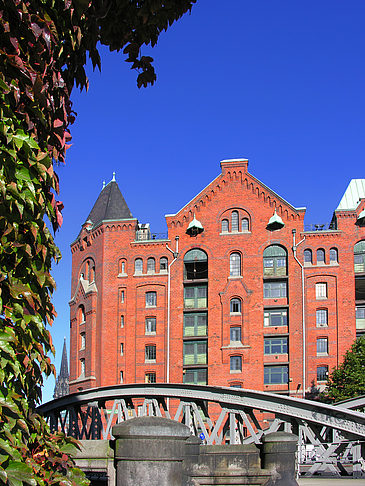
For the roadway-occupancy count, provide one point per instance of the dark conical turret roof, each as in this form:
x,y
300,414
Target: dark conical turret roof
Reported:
x,y
62,383
109,205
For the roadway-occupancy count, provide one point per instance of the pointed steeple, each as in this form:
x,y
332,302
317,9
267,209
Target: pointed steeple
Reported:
x,y
62,382
110,205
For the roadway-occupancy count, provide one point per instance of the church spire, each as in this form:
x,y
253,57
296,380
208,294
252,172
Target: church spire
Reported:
x,y
62,382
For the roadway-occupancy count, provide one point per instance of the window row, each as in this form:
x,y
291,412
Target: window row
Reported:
x,y
274,262
235,223
148,377
151,265
321,258
150,298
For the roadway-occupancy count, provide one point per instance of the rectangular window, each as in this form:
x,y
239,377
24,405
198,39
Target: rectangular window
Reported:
x,y
82,340
235,334
150,325
321,291
235,363
82,366
322,346
195,297
322,373
150,353
151,299
150,378
360,318
121,349
122,297
195,352
359,260
276,375
121,377
275,290
195,376
121,321
321,317
276,345
195,324
275,317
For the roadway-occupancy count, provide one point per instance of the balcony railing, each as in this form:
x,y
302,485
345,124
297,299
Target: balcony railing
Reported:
x,y
320,227
150,236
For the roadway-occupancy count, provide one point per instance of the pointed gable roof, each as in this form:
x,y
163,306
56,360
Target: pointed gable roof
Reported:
x,y
110,205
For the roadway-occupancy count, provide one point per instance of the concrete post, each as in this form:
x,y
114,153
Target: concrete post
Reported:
x,y
279,457
150,451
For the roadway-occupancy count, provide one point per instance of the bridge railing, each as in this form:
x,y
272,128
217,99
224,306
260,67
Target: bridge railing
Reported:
x,y
331,438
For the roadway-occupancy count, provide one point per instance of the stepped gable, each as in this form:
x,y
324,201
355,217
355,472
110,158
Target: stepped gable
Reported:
x,y
62,382
110,205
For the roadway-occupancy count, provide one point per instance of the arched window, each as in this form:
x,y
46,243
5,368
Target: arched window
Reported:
x,y
234,220
308,256
359,257
163,264
81,314
122,266
333,255
275,258
321,256
195,265
235,265
225,226
235,306
138,266
245,224
151,265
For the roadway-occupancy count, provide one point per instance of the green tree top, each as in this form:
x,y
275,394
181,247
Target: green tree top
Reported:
x,y
348,380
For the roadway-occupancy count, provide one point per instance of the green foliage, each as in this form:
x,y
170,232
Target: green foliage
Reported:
x,y
348,380
43,51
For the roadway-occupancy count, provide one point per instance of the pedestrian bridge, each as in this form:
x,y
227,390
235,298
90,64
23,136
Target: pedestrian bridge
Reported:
x,y
331,437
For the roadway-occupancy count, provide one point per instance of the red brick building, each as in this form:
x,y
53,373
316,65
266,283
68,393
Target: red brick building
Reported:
x,y
238,294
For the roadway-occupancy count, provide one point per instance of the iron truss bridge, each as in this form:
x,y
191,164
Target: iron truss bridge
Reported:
x,y
331,438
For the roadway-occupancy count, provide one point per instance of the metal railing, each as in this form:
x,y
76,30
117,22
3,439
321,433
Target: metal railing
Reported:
x,y
150,236
320,227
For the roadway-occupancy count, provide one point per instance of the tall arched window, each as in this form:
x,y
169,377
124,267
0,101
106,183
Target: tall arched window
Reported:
x,y
81,314
234,220
235,306
333,255
138,266
321,256
235,265
245,224
275,261
151,265
308,256
195,265
225,226
359,257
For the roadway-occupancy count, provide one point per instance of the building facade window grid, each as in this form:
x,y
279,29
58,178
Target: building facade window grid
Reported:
x,y
276,345
321,290
275,290
275,317
274,259
150,352
321,317
235,363
197,376
321,256
234,221
322,345
235,306
322,373
195,324
151,299
333,255
151,265
150,377
195,297
235,264
195,352
150,325
245,224
163,264
235,334
308,256
276,374
138,266
225,226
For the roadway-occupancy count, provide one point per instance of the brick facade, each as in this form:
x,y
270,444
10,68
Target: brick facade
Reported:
x,y
230,313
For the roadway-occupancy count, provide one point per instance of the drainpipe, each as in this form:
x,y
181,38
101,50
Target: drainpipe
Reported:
x,y
175,254
295,246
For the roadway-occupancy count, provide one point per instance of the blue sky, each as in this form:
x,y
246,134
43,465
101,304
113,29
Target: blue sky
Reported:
x,y
278,82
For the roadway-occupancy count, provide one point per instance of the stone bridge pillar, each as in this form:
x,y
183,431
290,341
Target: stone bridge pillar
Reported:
x,y
149,451
279,457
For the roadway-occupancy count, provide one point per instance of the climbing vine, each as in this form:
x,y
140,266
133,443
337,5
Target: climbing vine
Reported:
x,y
43,51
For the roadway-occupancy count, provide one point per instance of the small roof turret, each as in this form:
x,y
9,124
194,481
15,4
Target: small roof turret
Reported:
x,y
110,205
